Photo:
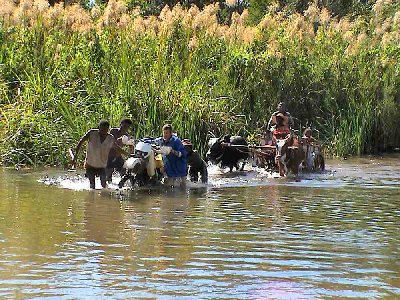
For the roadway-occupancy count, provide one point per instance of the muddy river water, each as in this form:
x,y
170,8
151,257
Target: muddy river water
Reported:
x,y
247,235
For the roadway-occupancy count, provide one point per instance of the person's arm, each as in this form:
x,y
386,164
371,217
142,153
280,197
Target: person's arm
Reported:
x,y
179,150
290,120
119,148
270,123
176,152
78,147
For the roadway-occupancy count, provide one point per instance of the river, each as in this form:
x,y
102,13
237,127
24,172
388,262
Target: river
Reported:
x,y
244,236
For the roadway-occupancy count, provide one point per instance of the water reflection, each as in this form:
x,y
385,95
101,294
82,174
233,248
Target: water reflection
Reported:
x,y
328,237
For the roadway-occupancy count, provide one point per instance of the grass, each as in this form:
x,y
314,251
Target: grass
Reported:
x,y
58,80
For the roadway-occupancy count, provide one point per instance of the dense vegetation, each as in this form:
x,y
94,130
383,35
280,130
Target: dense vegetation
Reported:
x,y
64,69
256,8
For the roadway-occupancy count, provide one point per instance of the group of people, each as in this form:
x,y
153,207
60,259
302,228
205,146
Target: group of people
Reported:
x,y
281,123
105,148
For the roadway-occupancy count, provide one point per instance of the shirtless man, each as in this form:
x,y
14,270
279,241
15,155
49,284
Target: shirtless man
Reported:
x,y
281,110
115,160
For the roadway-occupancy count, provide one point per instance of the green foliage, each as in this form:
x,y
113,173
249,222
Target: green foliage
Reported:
x,y
55,84
147,8
257,10
340,8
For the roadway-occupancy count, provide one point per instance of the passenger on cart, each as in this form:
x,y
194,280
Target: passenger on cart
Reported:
x,y
307,137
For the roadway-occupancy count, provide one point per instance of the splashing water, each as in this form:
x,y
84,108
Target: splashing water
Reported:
x,y
364,172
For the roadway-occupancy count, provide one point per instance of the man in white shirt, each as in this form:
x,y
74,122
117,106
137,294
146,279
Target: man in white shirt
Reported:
x,y
100,142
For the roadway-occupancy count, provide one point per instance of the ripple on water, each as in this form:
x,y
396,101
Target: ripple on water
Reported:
x,y
332,235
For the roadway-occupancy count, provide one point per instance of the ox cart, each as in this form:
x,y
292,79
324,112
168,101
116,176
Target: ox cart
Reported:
x,y
287,152
268,156
264,156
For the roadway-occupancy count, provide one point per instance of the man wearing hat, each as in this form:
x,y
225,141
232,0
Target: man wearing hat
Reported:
x,y
196,164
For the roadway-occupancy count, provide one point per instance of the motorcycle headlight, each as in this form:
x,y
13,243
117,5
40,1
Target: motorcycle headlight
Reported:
x,y
141,154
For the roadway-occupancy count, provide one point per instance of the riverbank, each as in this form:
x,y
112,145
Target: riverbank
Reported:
x,y
62,70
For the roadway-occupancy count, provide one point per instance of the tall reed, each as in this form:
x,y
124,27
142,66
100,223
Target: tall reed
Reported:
x,y
64,69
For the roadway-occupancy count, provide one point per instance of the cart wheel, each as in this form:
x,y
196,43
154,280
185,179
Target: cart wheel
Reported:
x,y
319,163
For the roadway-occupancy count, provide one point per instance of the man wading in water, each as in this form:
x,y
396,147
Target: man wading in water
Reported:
x,y
115,160
100,142
174,158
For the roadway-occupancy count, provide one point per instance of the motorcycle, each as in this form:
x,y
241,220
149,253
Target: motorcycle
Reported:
x,y
144,167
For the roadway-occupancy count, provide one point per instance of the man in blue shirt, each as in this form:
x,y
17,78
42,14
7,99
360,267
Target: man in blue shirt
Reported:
x,y
174,158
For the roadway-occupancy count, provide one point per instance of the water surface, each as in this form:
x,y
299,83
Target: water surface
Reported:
x,y
244,236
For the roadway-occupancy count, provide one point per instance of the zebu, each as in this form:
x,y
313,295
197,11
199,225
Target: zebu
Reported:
x,y
314,160
289,155
228,151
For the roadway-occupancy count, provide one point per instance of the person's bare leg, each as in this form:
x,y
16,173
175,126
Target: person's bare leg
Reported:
x,y
169,182
103,178
103,183
92,182
183,182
